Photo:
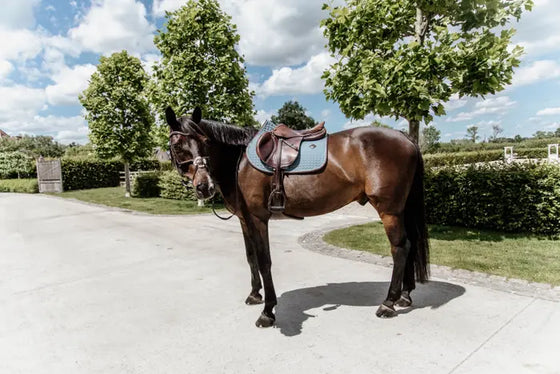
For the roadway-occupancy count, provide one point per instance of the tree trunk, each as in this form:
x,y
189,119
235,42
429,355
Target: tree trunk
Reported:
x,y
127,179
414,129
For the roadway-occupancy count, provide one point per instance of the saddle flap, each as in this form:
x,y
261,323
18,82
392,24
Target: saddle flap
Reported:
x,y
277,152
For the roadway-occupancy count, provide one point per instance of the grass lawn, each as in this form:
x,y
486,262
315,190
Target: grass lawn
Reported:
x,y
114,196
24,185
522,256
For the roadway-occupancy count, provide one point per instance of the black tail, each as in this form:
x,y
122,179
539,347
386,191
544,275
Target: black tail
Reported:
x,y
415,224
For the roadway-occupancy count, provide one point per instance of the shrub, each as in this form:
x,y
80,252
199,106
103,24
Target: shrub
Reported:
x,y
170,183
146,185
19,185
16,165
514,198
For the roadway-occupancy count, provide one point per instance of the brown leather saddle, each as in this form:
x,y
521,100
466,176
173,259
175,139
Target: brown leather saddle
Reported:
x,y
279,149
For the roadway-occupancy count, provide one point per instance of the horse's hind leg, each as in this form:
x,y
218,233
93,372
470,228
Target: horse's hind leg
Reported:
x,y
400,247
255,296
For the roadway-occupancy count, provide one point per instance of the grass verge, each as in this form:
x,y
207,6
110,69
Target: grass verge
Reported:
x,y
114,196
19,185
533,258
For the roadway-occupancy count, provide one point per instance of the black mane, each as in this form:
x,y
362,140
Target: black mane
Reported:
x,y
227,134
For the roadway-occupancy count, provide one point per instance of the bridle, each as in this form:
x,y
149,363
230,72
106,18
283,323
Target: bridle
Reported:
x,y
199,162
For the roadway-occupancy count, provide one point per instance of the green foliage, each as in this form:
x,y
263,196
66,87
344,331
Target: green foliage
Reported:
x,y
16,164
146,185
377,123
117,110
201,67
170,184
462,158
19,185
405,58
33,146
430,139
513,198
465,146
472,133
293,115
80,151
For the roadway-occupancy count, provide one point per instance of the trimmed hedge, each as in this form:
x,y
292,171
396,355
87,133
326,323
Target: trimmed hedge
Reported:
x,y
512,198
79,174
171,187
463,158
19,185
146,185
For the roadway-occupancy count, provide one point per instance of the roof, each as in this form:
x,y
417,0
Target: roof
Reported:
x,y
3,134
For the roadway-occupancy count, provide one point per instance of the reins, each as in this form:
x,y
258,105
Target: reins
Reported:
x,y
236,191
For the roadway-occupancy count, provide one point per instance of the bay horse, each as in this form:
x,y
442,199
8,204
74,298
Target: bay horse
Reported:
x,y
373,165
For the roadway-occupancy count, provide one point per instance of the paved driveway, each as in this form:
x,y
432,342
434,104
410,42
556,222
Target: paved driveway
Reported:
x,y
85,289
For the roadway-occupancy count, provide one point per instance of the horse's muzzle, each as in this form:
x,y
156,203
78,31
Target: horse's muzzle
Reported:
x,y
204,191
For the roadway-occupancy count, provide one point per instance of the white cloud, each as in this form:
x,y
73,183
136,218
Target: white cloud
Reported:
x,y
455,103
17,13
19,44
539,30
5,69
273,32
263,115
63,129
548,112
537,71
303,80
69,83
114,25
20,102
494,105
366,121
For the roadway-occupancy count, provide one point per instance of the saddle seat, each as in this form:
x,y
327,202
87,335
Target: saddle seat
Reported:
x,y
279,149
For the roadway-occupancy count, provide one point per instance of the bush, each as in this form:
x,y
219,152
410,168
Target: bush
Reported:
x,y
462,158
16,165
171,187
513,198
19,185
79,174
146,185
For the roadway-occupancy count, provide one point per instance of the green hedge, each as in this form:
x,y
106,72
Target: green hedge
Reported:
x,y
19,185
146,185
16,165
79,174
463,158
171,187
513,198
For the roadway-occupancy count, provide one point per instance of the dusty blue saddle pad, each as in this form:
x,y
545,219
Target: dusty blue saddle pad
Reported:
x,y
312,155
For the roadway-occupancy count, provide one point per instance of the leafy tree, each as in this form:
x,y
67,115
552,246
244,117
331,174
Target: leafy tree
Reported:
x,y
406,58
201,67
80,151
430,138
33,146
377,123
557,132
117,110
293,115
472,133
16,164
543,134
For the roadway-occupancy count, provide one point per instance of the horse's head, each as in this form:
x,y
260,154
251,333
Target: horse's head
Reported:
x,y
189,150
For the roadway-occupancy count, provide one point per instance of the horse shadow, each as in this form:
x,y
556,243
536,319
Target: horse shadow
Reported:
x,y
292,305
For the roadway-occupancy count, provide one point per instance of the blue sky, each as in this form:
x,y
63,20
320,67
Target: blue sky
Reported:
x,y
49,48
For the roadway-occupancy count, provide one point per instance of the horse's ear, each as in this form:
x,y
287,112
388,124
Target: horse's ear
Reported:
x,y
197,115
171,119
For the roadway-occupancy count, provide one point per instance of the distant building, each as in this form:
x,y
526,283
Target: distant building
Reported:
x,y
161,155
3,134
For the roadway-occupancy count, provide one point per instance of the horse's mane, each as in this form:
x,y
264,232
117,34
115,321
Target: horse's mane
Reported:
x,y
227,134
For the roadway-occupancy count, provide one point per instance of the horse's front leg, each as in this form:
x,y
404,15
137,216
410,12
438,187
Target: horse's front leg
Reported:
x,y
257,236
251,251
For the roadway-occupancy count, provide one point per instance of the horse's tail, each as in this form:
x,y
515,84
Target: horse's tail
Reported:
x,y
415,224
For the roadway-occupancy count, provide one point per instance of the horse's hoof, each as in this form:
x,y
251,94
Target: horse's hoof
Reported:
x,y
265,321
385,311
404,302
254,299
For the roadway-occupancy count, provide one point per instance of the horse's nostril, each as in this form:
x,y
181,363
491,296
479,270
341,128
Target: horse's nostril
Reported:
x,y
201,187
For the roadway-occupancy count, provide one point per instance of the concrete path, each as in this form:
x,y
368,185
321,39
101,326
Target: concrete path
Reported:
x,y
85,289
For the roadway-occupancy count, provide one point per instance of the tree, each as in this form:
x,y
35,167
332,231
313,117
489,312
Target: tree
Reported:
x,y
430,138
472,133
117,110
33,146
293,115
377,123
406,58
201,67
496,130
557,132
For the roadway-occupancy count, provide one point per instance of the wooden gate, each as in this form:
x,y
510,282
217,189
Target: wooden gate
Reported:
x,y
49,176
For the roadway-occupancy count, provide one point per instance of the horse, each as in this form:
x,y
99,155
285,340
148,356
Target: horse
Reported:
x,y
382,167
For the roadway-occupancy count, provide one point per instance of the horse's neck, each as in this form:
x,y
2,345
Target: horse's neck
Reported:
x,y
227,170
